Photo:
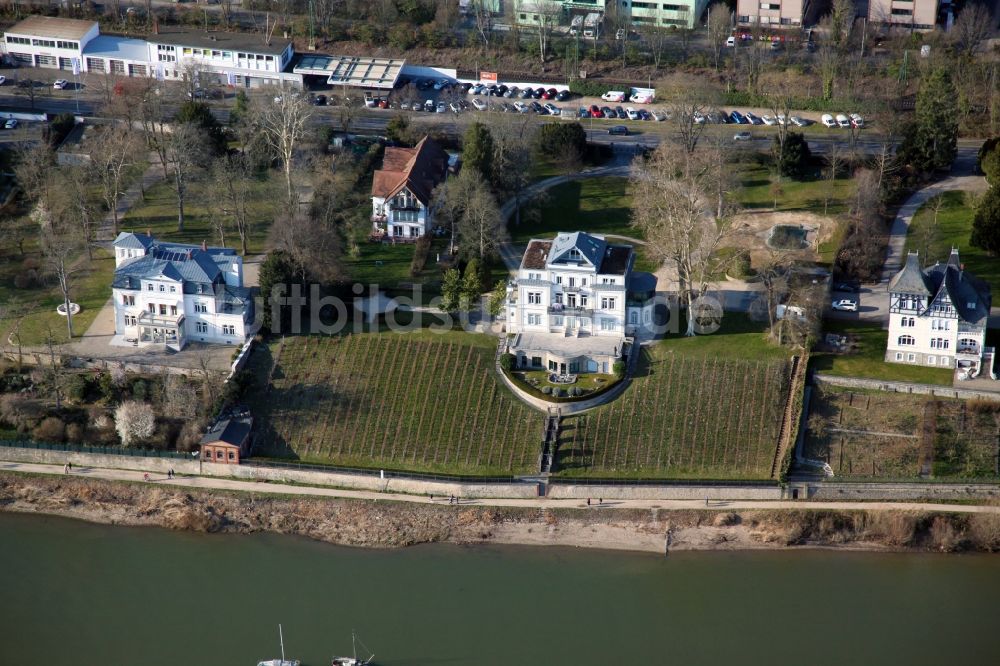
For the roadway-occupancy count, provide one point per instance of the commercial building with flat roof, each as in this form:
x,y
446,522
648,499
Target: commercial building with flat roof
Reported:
x,y
354,71
912,14
772,13
45,41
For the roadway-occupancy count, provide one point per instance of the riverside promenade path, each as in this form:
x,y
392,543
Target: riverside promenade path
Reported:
x,y
213,483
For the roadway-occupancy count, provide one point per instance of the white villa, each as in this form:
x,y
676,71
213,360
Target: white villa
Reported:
x,y
576,303
402,189
171,294
938,317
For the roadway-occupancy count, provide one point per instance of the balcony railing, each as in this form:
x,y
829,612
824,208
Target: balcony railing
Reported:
x,y
147,318
570,310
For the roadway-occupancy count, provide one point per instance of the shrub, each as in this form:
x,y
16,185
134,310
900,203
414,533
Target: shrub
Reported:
x,y
980,406
547,390
28,279
140,390
75,387
421,250
558,393
618,368
134,422
19,412
507,362
51,429
190,435
75,433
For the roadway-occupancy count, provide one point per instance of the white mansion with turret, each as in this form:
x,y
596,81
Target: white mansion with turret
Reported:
x,y
575,304
938,317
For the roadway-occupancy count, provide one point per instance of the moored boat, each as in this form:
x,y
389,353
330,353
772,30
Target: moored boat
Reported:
x,y
354,661
282,661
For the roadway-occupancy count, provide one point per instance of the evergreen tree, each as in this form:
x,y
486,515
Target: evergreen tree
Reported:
x,y
477,150
989,160
794,156
199,115
451,290
277,269
472,285
986,223
931,142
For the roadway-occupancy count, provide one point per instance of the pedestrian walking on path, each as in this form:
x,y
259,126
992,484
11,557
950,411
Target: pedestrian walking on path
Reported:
x,y
588,501
66,468
145,476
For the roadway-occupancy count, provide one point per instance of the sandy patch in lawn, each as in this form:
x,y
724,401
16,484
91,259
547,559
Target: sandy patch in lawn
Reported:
x,y
752,230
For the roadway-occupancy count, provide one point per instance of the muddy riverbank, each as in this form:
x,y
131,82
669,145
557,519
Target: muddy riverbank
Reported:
x,y
382,524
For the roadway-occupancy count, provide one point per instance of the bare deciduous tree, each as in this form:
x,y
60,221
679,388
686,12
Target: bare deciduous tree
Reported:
x,y
973,25
311,244
34,164
282,125
185,153
483,18
720,24
233,188
468,205
62,243
672,193
114,154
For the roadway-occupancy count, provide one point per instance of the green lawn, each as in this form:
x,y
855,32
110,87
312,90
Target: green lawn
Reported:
x,y
954,226
738,337
807,195
90,287
158,213
868,360
596,205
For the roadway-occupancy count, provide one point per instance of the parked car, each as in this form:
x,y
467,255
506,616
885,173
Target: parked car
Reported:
x,y
698,118
731,41
856,120
742,136
843,121
584,112
847,287
644,114
10,124
845,305
3,80
456,107
477,89
441,107
536,108
60,84
405,106
798,122
781,119
752,119
440,84
828,120
658,114
527,93
520,107
479,104
464,88
618,130
632,115
429,105
552,109
595,112
563,95
319,100
737,118
767,119
613,96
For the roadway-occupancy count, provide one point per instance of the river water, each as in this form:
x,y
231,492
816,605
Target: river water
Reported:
x,y
81,594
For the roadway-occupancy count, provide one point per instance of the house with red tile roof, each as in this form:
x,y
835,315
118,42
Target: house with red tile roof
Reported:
x,y
402,190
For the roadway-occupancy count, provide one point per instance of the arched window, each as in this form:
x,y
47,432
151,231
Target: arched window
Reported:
x,y
905,340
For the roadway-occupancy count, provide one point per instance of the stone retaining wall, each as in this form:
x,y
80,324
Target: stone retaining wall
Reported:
x,y
666,491
833,491
907,387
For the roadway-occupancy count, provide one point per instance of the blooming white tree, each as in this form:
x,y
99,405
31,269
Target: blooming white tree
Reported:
x,y
134,422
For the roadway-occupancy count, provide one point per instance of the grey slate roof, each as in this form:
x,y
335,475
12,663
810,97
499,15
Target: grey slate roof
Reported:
x,y
641,283
591,247
911,279
231,430
969,295
177,261
134,241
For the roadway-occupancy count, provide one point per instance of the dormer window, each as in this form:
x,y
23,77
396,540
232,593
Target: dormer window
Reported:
x,y
574,255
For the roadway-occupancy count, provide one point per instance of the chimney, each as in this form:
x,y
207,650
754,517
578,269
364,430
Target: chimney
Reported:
x,y
149,232
189,254
203,246
156,26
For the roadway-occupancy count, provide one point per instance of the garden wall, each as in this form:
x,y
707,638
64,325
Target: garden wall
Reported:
x,y
907,387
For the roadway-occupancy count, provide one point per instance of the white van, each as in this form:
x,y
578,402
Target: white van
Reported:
x,y
843,121
613,96
731,41
828,120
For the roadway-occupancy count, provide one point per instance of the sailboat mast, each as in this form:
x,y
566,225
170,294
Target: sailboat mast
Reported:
x,y
281,639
